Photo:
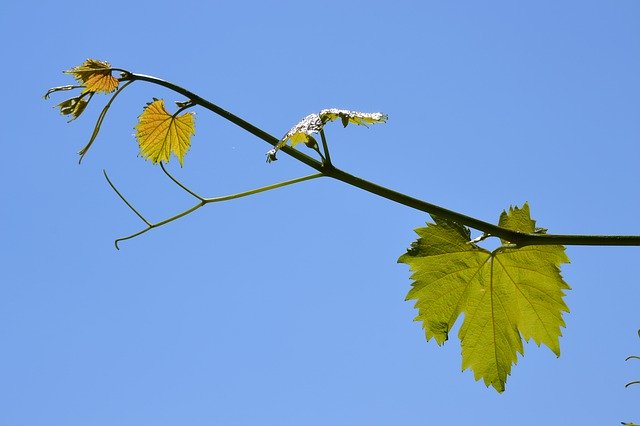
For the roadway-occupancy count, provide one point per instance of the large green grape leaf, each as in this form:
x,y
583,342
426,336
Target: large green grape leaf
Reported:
x,y
504,295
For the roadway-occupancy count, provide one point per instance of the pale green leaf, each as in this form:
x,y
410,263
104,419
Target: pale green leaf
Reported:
x,y
504,295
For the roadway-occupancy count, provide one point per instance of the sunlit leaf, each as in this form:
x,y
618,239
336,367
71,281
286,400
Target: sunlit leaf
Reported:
x,y
160,133
303,131
355,117
504,295
95,76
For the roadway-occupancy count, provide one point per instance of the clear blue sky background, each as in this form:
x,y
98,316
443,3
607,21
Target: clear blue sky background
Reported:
x,y
287,308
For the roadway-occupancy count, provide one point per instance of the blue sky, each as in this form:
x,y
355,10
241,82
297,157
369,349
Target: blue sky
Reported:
x,y
287,308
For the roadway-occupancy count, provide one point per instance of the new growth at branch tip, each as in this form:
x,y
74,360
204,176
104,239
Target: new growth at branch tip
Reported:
x,y
93,77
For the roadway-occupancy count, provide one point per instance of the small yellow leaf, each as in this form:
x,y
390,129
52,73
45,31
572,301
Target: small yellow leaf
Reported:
x,y
95,76
159,133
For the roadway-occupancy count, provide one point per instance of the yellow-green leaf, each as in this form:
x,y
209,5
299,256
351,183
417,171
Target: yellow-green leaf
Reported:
x,y
302,132
160,133
355,117
504,295
95,76
313,123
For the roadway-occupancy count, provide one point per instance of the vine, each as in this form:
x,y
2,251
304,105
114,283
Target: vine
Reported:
x,y
513,292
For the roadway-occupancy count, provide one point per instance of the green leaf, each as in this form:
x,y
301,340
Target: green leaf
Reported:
x,y
504,295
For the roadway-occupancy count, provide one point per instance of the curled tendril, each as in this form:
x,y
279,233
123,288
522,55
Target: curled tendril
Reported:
x,y
635,382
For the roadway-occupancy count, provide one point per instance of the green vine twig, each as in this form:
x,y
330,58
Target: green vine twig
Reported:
x,y
202,201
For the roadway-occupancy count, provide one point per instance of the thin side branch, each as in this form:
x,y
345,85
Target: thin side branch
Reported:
x,y
202,201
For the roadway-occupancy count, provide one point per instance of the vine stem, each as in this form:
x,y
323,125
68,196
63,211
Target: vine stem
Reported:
x,y
202,201
327,169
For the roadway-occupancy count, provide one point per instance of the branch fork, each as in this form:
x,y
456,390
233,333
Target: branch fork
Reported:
x,y
202,201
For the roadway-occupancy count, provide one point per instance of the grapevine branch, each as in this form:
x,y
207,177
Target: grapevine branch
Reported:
x,y
326,168
459,269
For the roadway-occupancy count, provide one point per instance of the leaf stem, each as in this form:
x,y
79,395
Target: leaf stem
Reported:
x,y
325,147
182,107
180,184
327,169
